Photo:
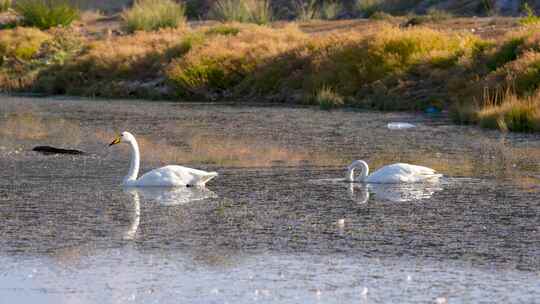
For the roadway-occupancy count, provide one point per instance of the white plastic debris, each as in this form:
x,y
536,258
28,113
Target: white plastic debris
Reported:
x,y
399,125
441,300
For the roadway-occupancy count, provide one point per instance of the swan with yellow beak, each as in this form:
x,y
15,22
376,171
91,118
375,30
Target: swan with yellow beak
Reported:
x,y
168,176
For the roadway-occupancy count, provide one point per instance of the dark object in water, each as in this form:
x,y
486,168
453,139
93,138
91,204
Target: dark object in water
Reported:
x,y
53,150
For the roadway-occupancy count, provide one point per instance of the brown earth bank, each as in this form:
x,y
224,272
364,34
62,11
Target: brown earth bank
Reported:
x,y
484,71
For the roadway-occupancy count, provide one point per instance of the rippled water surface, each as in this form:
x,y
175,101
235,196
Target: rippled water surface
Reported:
x,y
277,225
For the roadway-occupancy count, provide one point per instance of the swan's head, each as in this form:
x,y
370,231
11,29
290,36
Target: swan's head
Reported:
x,y
357,164
125,137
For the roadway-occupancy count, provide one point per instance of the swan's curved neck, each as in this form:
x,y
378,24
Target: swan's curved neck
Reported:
x,y
135,160
364,171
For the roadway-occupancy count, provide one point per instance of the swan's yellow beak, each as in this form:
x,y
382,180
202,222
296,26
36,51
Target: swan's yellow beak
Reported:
x,y
115,141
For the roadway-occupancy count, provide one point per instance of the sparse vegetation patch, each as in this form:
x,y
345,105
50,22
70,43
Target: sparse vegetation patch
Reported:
x,y
45,14
151,15
4,5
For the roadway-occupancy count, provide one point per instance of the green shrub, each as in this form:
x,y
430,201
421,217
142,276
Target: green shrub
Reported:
x,y
254,11
525,73
518,118
327,98
219,64
306,10
366,8
512,113
260,11
64,44
230,10
151,15
380,16
330,10
45,14
21,43
507,52
530,16
4,5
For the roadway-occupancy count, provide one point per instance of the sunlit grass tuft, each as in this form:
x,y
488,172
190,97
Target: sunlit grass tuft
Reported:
x,y
367,7
105,65
221,63
330,10
306,10
327,98
20,43
45,14
253,11
230,10
5,5
530,17
151,15
260,11
512,114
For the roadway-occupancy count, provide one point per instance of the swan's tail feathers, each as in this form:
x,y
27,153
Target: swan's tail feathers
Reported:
x,y
433,177
204,179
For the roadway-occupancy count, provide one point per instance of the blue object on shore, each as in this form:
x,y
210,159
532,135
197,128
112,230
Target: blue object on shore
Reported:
x,y
432,110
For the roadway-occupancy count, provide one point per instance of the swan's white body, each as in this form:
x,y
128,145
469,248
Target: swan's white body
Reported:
x,y
392,174
168,176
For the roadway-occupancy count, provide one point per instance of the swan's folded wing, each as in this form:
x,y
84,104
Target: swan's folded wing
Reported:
x,y
403,173
175,176
414,173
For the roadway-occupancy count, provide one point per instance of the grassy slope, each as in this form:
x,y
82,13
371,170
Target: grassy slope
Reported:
x,y
352,62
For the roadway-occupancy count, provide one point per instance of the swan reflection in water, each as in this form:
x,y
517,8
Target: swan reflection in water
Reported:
x,y
165,196
360,192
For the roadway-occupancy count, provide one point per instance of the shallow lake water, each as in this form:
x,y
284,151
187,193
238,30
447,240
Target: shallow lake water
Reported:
x,y
276,225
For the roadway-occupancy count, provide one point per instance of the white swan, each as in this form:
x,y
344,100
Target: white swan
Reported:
x,y
392,174
168,176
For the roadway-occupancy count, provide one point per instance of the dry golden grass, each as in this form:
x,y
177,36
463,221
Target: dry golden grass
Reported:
x,y
355,63
105,63
118,53
222,62
20,43
512,113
